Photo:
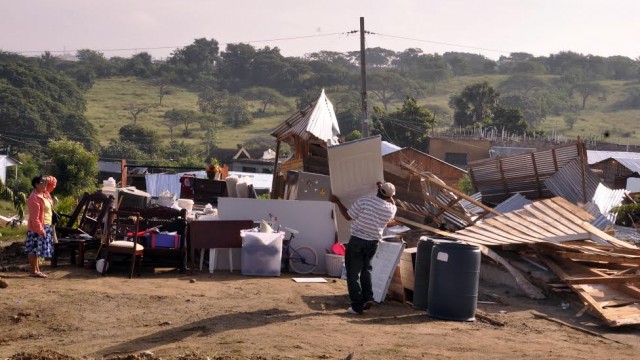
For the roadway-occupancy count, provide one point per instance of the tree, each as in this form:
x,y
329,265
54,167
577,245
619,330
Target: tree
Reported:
x,y
389,85
405,127
265,96
163,89
532,107
171,120
40,104
195,63
135,110
181,116
75,168
521,83
236,112
17,199
474,104
509,119
588,89
234,71
122,150
146,140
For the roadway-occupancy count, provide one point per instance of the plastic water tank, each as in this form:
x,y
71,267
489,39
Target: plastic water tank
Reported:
x,y
453,281
422,271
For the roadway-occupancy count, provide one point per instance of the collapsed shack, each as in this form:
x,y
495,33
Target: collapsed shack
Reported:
x,y
554,235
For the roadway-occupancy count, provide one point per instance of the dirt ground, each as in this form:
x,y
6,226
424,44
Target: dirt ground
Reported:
x,y
76,313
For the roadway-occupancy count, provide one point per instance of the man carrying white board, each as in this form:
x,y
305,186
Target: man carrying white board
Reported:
x,y
369,216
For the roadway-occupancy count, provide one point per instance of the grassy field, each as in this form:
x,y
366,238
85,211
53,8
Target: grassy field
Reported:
x,y
109,97
107,100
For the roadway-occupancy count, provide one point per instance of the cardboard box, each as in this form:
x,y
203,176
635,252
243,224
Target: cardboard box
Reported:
x,y
164,240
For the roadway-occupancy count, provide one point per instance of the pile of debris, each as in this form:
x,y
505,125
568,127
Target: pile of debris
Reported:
x,y
552,212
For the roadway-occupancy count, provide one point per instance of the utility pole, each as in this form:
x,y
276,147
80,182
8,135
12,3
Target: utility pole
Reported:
x,y
363,76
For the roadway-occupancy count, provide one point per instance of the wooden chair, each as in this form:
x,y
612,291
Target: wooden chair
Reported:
x,y
122,238
165,219
83,228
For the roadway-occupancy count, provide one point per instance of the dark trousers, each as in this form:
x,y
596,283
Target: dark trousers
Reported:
x,y
357,261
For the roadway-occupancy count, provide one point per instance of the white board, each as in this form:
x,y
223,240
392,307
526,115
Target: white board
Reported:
x,y
355,167
313,219
384,264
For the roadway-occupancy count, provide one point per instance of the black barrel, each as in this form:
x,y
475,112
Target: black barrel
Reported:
x,y
422,270
453,281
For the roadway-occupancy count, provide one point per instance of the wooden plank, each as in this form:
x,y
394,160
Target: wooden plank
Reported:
x,y
466,239
570,237
598,258
552,222
497,234
603,279
407,267
539,220
522,221
564,218
572,209
512,230
454,191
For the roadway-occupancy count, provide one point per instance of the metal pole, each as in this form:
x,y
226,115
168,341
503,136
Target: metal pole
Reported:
x,y
363,76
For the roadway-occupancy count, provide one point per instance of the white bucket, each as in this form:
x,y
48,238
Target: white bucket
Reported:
x,y
111,182
333,264
186,204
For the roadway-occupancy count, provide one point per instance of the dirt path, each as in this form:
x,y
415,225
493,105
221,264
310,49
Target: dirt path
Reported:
x,y
78,313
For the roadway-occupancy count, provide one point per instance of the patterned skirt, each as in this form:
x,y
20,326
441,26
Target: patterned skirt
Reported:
x,y
42,246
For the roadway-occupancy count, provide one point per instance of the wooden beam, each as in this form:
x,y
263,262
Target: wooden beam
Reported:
x,y
603,279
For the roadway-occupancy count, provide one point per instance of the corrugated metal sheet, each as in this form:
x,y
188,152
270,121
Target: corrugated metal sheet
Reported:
x,y
471,207
606,199
515,202
631,164
388,148
595,156
601,221
498,179
318,120
567,182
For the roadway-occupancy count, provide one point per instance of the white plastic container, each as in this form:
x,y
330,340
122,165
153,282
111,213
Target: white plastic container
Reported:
x,y
186,204
111,182
333,264
261,253
167,199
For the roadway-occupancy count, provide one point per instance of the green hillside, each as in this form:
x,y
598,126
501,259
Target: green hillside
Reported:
x,y
108,98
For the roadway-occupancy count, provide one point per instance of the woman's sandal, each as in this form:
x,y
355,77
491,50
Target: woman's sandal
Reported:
x,y
39,275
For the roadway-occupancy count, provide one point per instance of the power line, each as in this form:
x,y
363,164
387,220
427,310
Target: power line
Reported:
x,y
441,43
274,40
181,46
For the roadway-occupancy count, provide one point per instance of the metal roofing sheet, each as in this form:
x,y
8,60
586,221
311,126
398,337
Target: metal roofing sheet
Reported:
x,y
595,156
567,182
388,148
515,202
606,199
318,120
631,164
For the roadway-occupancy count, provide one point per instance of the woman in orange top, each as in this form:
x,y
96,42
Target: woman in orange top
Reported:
x,y
39,241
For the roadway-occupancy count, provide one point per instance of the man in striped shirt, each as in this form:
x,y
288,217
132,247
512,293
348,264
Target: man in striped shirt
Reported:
x,y
369,216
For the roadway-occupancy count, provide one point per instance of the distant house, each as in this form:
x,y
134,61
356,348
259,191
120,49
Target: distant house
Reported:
x,y
260,162
459,151
5,162
394,172
617,169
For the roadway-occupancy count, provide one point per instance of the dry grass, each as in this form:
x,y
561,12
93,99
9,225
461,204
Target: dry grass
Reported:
x,y
108,97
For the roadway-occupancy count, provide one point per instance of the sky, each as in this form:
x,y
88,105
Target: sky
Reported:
x,y
492,28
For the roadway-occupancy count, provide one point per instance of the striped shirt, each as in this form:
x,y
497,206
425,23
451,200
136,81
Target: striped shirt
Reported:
x,y
370,216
